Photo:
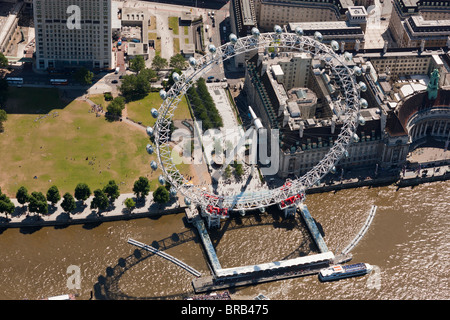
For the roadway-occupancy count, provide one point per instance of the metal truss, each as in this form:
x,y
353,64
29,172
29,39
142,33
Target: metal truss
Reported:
x,y
284,42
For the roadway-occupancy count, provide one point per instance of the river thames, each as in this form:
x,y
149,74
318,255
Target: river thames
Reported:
x,y
407,242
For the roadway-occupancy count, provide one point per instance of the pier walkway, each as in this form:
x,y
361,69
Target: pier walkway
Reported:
x,y
165,256
209,248
362,232
318,239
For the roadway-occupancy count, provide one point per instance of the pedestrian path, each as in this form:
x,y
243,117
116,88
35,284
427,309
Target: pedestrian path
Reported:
x,y
84,214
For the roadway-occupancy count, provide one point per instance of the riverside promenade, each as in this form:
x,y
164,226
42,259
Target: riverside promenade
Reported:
x,y
83,214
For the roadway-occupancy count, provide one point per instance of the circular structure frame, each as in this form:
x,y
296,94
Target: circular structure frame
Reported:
x,y
347,109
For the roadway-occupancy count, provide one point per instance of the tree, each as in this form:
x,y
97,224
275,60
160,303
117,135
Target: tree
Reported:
x,y
149,74
53,195
161,195
130,204
6,205
116,106
135,86
159,63
3,115
141,187
82,192
100,200
84,76
22,195
238,169
38,203
227,172
3,61
137,64
68,204
111,190
178,61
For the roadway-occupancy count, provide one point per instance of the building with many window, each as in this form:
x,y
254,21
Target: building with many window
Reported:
x,y
272,12
73,33
402,10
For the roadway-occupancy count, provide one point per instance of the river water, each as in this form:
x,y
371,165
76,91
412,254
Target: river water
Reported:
x,y
408,242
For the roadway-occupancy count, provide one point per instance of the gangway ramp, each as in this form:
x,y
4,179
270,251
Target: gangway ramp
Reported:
x,y
362,232
165,256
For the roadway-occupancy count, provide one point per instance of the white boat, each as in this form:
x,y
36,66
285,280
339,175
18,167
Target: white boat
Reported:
x,y
344,271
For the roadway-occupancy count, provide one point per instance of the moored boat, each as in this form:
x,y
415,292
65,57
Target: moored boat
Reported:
x,y
337,272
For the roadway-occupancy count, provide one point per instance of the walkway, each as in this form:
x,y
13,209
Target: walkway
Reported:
x,y
84,214
165,256
313,228
209,248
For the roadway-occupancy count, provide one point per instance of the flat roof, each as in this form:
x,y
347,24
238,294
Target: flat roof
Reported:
x,y
276,265
247,16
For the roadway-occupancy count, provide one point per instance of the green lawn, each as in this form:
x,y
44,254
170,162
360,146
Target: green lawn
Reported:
x,y
173,24
99,99
176,45
139,110
70,147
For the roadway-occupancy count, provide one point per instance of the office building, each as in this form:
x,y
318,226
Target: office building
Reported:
x,y
67,37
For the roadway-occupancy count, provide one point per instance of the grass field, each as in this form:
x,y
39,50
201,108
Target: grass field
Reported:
x,y
173,24
69,147
140,110
153,36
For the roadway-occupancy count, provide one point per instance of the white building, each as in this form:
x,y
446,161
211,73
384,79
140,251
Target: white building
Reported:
x,y
73,33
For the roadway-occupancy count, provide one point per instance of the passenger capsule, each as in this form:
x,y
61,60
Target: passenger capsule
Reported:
x,y
355,137
187,201
334,45
317,183
348,56
163,94
361,120
149,149
255,32
299,31
192,61
346,153
149,131
212,48
154,113
153,165
364,104
173,191
233,38
318,36
357,71
333,169
362,86
277,29
161,180
176,77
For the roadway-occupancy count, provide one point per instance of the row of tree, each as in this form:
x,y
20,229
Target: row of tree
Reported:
x,y
3,97
203,105
103,198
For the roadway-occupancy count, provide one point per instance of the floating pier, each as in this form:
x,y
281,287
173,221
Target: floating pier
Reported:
x,y
265,272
